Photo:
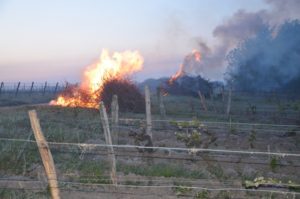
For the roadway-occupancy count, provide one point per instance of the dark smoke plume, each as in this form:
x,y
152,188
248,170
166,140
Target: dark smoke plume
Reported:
x,y
243,25
268,62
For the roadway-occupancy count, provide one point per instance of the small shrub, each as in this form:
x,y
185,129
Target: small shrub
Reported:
x,y
273,163
182,190
202,195
252,138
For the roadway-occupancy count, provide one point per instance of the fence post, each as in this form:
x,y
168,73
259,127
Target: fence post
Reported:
x,y
31,88
202,99
56,87
111,154
229,101
1,86
148,112
45,86
223,94
17,90
45,154
162,109
115,119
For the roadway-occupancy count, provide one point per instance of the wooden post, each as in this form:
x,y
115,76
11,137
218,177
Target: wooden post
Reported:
x,y
229,101
45,154
1,86
17,90
148,112
44,90
115,119
31,88
223,94
111,154
56,87
202,99
162,109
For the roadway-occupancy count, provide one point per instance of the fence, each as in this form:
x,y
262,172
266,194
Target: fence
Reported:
x,y
16,88
145,152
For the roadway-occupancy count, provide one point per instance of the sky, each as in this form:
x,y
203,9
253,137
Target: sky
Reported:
x,y
55,40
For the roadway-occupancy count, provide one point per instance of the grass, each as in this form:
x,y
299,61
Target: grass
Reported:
x,y
23,194
164,170
217,171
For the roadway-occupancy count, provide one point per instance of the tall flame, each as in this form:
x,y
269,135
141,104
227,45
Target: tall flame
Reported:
x,y
117,66
195,56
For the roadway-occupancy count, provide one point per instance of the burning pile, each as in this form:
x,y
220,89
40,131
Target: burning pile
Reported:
x,y
190,63
188,81
129,97
114,68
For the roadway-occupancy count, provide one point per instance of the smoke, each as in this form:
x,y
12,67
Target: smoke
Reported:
x,y
241,26
267,62
283,10
191,64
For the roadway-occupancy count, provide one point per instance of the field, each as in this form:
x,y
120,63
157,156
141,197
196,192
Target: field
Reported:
x,y
195,154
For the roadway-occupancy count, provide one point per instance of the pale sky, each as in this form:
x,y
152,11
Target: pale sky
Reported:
x,y
55,40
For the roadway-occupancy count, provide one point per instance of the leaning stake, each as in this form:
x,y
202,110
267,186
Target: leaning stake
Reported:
x,y
111,153
229,101
202,99
148,112
115,119
45,154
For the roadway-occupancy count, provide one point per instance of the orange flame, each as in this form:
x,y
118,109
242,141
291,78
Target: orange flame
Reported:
x,y
178,74
117,66
195,55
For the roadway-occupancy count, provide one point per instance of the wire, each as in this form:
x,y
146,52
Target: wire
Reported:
x,y
212,122
193,150
230,189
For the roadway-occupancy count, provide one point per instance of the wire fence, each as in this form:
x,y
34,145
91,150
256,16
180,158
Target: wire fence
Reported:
x,y
83,164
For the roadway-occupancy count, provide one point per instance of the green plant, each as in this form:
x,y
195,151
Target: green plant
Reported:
x,y
224,195
273,163
251,108
181,190
217,171
261,181
202,195
191,139
252,138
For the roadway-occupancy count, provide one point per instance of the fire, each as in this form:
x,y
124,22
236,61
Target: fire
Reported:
x,y
178,74
119,65
194,56
197,55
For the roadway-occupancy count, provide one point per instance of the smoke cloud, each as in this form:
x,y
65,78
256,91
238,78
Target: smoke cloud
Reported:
x,y
266,62
241,26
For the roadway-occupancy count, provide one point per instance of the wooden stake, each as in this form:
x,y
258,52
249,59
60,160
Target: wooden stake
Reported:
x,y
202,99
229,101
115,119
67,85
44,90
111,154
17,90
45,154
148,112
56,87
31,88
223,94
1,86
